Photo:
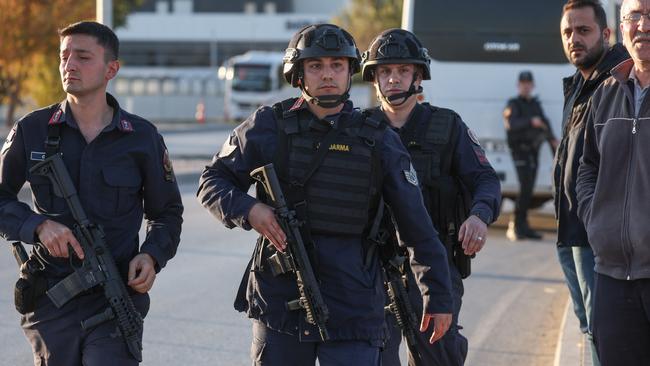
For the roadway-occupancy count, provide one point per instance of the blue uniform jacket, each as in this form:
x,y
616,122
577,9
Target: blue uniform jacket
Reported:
x,y
122,174
354,296
471,166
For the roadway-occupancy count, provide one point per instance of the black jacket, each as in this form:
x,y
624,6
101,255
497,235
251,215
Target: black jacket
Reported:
x,y
521,134
577,93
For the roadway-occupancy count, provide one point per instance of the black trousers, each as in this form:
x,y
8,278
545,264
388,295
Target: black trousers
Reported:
x,y
525,159
621,321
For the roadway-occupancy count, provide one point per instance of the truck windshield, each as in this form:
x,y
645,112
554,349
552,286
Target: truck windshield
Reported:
x,y
247,77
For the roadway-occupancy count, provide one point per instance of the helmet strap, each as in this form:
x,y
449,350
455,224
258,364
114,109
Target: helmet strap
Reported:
x,y
326,101
403,95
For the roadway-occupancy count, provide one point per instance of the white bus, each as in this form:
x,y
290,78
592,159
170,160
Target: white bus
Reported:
x,y
478,49
251,80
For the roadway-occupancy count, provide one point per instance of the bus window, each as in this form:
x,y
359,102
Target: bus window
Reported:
x,y
491,31
169,86
122,86
251,78
138,86
153,86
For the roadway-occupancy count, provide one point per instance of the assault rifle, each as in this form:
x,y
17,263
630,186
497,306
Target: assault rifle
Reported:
x,y
296,257
383,238
97,268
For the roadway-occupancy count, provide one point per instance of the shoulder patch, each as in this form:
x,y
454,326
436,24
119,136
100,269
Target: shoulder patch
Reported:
x,y
480,155
227,148
411,176
167,166
9,140
472,136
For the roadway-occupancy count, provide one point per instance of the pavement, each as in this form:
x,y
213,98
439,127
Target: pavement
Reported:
x,y
572,348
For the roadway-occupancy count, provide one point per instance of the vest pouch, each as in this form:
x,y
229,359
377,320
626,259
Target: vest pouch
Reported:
x,y
28,290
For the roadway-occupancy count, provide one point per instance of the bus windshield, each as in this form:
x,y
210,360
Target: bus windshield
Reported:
x,y
247,77
491,31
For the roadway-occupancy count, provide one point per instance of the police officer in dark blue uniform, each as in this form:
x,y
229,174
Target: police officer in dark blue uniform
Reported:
x,y
461,190
120,167
526,129
364,160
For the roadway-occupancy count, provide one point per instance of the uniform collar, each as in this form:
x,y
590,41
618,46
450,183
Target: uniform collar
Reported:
x,y
63,114
330,121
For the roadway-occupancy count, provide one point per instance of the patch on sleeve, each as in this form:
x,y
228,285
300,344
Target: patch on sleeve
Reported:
x,y
472,136
411,176
480,155
229,146
167,166
9,140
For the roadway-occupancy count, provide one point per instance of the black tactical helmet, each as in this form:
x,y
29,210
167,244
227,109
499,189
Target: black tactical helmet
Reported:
x,y
395,46
319,40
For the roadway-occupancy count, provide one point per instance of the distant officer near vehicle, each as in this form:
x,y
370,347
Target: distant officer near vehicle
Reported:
x,y
333,166
526,129
121,170
461,190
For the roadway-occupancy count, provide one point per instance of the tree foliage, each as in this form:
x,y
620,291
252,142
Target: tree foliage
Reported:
x,y
29,46
365,19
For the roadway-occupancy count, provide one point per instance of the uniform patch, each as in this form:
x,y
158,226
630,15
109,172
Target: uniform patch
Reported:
x,y
126,126
411,176
56,117
480,155
9,139
227,148
339,147
472,136
167,166
297,104
36,156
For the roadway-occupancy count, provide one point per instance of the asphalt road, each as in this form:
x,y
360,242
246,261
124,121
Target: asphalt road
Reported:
x,y
511,311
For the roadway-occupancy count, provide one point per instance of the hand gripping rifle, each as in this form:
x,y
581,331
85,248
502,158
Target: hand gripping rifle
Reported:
x,y
297,258
98,266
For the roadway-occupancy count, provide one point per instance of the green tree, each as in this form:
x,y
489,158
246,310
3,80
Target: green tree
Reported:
x,y
29,46
365,19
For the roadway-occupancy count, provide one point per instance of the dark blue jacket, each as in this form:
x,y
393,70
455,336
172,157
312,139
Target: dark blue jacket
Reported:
x,y
122,174
468,163
354,295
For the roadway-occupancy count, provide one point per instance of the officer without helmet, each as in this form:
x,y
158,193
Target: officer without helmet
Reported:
x,y
122,173
340,196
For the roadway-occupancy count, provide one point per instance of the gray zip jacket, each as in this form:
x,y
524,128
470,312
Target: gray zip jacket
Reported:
x,y
613,187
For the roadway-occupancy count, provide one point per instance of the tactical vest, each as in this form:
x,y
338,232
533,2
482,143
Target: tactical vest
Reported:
x,y
429,137
336,193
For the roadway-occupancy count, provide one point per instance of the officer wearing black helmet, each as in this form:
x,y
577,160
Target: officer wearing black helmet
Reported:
x,y
526,129
461,190
341,192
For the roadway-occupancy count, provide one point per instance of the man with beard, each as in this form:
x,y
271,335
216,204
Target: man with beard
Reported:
x,y
526,129
612,190
584,36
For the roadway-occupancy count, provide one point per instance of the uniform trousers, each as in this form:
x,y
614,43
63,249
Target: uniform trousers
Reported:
x,y
273,348
57,339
